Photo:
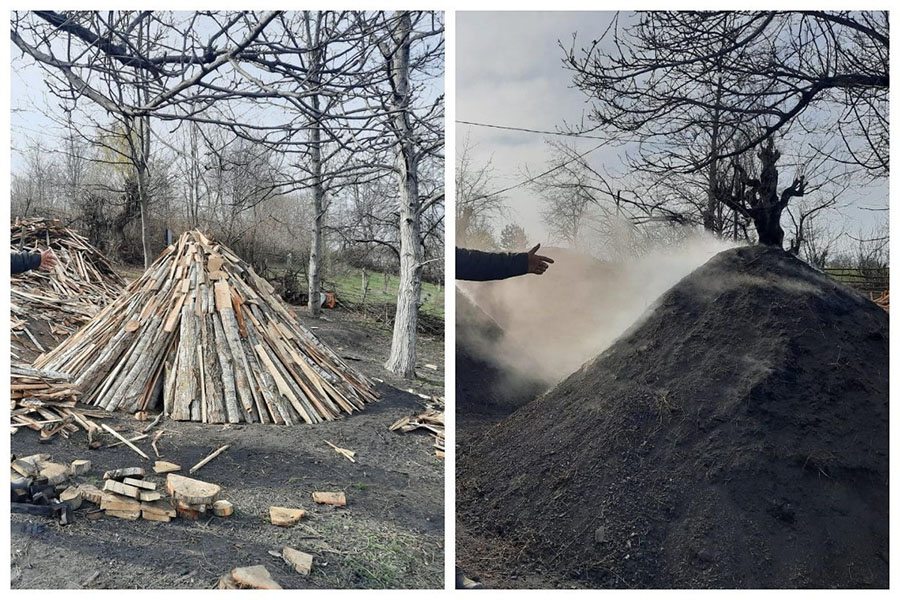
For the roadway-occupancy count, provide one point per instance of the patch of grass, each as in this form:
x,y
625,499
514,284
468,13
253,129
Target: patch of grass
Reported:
x,y
349,284
382,557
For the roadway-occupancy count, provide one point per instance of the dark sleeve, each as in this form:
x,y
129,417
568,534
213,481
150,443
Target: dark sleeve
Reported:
x,y
475,265
24,261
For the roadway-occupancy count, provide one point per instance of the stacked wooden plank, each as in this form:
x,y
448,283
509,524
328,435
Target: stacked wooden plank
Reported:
x,y
59,301
204,333
46,401
128,494
882,299
431,420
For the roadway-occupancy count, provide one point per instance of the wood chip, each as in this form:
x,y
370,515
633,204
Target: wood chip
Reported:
x,y
333,498
285,517
163,467
301,561
256,577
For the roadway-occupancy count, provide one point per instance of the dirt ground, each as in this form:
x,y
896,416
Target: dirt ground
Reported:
x,y
390,535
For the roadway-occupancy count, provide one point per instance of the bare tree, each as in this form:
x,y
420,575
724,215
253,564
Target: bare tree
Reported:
x,y
670,74
477,206
415,46
131,65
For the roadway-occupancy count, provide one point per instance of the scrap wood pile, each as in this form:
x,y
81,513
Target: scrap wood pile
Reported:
x,y
432,420
69,295
882,299
46,401
42,487
204,332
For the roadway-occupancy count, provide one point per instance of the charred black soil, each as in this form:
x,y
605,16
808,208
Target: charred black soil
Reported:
x,y
736,436
390,535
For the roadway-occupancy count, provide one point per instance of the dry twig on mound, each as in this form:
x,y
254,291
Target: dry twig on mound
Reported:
x,y
201,329
66,297
46,401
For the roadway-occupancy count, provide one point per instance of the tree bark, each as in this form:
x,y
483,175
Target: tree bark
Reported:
x,y
315,251
402,360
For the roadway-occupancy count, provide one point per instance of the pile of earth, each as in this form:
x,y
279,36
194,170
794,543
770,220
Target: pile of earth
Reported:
x,y
485,385
735,436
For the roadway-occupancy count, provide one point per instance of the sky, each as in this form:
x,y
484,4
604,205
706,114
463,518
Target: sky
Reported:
x,y
509,72
36,115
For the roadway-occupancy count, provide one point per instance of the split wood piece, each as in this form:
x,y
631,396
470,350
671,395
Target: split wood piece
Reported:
x,y
54,473
348,454
150,496
191,491
285,517
301,561
139,483
200,464
80,467
29,466
131,515
91,493
71,496
162,467
136,438
122,489
114,502
333,498
256,577
123,440
222,508
159,508
155,517
120,474
192,512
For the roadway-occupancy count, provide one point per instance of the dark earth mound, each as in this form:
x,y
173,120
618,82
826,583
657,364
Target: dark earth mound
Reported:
x,y
484,387
736,436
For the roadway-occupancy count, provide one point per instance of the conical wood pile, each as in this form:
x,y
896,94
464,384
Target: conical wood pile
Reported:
x,y
202,330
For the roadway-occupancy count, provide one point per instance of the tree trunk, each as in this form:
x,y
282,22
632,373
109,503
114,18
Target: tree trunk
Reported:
x,y
767,216
402,360
315,251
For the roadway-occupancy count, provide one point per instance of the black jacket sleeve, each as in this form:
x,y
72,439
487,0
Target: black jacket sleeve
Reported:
x,y
24,261
475,265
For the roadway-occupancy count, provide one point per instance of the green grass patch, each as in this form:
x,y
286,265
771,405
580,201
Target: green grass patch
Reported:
x,y
348,284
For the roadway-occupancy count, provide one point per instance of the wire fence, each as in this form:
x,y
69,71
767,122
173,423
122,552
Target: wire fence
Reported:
x,y
865,280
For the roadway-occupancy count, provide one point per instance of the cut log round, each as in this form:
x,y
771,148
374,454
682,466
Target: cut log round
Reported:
x,y
191,491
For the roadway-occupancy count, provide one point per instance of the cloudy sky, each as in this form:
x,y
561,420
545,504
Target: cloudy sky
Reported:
x,y
509,72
